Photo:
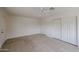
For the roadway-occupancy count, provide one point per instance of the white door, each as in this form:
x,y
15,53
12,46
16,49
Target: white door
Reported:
x,y
69,29
2,31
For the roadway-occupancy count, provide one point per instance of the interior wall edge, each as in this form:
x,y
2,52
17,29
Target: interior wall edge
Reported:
x,y
3,17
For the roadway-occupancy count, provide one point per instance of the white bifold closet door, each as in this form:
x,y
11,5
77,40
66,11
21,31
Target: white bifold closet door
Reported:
x,y
69,29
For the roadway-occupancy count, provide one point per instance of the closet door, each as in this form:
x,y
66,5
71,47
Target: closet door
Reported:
x,y
69,29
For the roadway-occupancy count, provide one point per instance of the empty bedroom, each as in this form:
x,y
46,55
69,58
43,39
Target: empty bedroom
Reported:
x,y
39,29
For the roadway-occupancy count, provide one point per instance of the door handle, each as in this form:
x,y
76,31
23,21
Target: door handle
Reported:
x,y
2,32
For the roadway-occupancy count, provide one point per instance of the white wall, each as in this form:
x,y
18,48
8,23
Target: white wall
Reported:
x,y
51,27
22,26
2,26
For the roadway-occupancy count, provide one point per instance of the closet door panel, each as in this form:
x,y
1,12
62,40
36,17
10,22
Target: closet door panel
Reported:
x,y
69,29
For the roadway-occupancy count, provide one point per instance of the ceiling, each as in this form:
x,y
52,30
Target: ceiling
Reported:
x,y
35,12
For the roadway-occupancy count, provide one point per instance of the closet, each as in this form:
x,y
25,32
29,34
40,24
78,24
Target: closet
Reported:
x,y
63,28
69,29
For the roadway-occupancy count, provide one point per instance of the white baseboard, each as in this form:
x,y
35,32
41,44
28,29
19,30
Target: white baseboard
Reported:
x,y
20,36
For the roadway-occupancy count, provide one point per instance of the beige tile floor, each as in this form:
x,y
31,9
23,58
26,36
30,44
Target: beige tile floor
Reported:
x,y
38,43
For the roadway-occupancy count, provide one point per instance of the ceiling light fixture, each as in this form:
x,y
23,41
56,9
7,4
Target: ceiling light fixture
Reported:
x,y
46,11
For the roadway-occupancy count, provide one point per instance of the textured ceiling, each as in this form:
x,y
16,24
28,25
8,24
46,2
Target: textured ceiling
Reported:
x,y
35,12
28,11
